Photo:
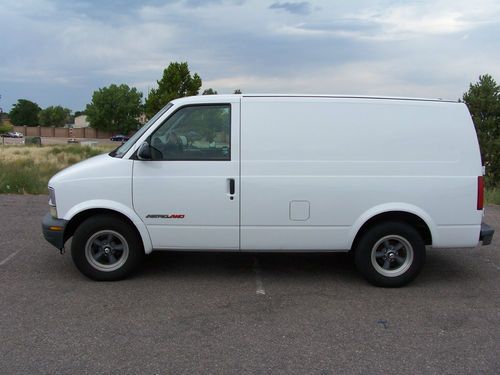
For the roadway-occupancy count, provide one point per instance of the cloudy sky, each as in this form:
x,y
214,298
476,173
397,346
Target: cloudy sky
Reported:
x,y
58,52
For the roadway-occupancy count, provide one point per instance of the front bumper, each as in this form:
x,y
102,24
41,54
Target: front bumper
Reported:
x,y
486,234
53,230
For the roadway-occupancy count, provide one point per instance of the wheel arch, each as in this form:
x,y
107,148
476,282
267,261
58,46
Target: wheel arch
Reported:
x,y
406,214
78,214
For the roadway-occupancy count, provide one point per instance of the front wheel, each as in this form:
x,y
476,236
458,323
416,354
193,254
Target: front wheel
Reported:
x,y
390,254
106,248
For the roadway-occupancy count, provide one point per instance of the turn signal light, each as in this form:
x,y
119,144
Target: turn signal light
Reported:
x,y
480,192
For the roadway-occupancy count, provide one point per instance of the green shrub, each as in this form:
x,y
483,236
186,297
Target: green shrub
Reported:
x,y
35,141
492,196
56,150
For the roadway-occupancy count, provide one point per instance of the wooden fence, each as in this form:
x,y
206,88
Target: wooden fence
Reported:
x,y
39,131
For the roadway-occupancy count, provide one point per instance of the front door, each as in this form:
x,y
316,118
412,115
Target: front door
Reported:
x,y
188,195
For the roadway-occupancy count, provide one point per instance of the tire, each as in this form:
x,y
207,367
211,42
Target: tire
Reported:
x,y
106,248
390,254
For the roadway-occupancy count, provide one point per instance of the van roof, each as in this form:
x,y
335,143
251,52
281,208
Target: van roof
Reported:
x,y
322,96
350,96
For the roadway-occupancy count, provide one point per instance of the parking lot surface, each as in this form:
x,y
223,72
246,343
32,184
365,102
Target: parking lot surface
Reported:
x,y
221,313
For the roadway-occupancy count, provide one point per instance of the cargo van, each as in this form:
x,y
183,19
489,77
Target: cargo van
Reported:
x,y
384,178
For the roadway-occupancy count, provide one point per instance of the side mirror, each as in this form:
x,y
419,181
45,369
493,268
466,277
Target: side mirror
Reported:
x,y
144,152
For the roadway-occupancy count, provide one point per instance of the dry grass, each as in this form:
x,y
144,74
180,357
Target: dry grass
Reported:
x,y
27,169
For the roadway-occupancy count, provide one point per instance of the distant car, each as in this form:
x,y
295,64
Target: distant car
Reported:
x,y
119,138
13,135
73,140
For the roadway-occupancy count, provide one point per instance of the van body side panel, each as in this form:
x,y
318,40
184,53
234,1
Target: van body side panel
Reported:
x,y
344,157
98,178
117,207
457,236
99,182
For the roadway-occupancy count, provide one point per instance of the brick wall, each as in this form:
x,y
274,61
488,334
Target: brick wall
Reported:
x,y
38,131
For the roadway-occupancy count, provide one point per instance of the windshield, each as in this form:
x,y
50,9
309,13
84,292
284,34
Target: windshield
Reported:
x,y
123,149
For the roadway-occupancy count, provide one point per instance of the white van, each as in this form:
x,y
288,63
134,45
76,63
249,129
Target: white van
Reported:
x,y
382,177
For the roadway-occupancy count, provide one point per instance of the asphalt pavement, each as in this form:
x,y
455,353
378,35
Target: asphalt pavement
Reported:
x,y
221,313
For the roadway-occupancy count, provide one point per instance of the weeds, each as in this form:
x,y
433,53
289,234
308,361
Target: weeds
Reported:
x,y
27,170
492,196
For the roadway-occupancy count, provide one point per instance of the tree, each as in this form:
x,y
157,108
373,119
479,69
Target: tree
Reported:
x,y
209,91
5,127
176,82
54,116
483,101
115,109
24,112
237,91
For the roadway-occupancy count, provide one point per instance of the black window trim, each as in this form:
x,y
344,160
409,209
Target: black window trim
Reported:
x,y
148,139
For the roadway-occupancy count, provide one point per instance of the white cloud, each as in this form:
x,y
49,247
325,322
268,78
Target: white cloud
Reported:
x,y
421,48
363,78
391,21
412,19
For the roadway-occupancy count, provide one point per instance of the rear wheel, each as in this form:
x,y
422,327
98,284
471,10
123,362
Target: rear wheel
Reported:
x,y
106,248
390,254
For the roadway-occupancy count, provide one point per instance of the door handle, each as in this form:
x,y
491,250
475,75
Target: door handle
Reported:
x,y
231,186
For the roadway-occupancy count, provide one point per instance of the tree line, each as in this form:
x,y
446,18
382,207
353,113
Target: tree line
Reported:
x,y
26,112
117,108
483,101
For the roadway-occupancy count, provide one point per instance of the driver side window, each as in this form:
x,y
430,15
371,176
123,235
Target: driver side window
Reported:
x,y
199,132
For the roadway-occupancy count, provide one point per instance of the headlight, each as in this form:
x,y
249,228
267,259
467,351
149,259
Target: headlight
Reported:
x,y
53,211
52,203
52,197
